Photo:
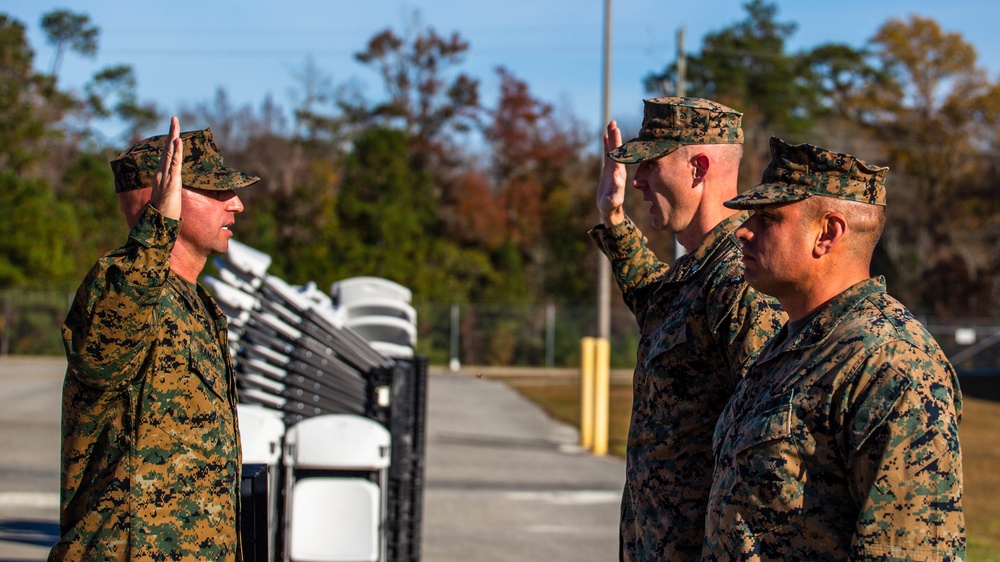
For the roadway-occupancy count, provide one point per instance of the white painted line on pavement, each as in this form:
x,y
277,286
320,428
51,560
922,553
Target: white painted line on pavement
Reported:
x,y
40,500
564,530
568,497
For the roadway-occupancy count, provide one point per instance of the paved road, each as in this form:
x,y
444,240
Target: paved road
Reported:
x,y
30,391
503,481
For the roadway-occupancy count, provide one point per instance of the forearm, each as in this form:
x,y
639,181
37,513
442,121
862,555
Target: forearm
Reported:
x,y
112,319
633,264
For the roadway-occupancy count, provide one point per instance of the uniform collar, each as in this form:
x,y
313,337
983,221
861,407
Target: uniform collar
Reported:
x,y
824,321
196,298
690,264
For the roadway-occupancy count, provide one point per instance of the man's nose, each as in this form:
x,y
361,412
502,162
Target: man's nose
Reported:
x,y
743,233
234,204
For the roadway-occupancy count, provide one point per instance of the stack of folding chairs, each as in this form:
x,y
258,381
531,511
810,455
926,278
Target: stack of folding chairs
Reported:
x,y
332,401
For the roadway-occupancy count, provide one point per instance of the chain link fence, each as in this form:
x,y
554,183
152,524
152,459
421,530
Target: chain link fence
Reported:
x,y
30,322
519,335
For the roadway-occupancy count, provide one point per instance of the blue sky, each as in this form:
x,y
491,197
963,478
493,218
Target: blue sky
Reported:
x,y
184,51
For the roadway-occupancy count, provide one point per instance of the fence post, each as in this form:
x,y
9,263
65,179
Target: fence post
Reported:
x,y
454,364
587,357
602,380
5,324
550,335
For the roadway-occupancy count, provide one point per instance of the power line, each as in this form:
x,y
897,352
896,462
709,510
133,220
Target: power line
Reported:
x,y
202,52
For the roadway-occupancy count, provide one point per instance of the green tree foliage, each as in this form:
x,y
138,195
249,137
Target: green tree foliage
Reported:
x,y
112,93
390,187
382,198
87,189
423,100
68,30
848,85
745,66
58,212
913,99
938,129
800,97
36,230
543,185
21,90
36,236
389,226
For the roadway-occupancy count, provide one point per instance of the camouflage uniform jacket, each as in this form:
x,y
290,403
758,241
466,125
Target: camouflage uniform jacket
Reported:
x,y
842,443
701,326
150,446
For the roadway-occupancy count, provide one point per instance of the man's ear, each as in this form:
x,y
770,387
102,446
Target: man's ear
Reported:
x,y
700,163
832,230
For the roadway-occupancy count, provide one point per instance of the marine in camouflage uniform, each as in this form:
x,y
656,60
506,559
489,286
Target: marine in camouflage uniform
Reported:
x,y
842,441
150,443
701,325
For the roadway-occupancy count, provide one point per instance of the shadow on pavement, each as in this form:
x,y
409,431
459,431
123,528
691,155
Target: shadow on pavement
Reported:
x,y
31,532
498,442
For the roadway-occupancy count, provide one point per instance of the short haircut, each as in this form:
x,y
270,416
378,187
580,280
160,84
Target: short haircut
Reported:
x,y
725,155
865,222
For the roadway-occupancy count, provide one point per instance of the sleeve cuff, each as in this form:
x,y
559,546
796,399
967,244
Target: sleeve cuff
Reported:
x,y
617,241
154,230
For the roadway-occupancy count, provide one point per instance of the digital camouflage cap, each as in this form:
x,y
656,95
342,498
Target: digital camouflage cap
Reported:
x,y
669,123
798,171
202,167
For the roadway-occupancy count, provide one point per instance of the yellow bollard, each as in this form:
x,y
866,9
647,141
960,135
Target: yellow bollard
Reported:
x,y
602,391
587,392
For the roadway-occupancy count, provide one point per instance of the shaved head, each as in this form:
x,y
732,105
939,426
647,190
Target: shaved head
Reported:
x,y
865,222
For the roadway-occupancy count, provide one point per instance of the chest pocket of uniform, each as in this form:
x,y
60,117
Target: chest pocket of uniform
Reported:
x,y
208,363
769,483
189,407
774,422
667,337
673,329
674,305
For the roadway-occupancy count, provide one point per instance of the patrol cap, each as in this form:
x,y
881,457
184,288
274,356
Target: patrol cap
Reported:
x,y
798,171
669,123
202,167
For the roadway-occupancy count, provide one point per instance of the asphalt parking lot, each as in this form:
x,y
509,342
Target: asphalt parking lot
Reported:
x,y
503,481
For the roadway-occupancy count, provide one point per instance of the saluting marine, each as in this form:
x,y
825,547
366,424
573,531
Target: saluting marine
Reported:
x,y
150,444
701,324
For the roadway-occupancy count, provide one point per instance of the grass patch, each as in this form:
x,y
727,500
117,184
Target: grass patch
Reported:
x,y
560,399
980,435
979,432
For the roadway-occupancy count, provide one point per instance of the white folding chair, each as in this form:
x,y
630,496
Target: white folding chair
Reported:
x,y
247,259
365,287
331,517
261,433
378,307
388,329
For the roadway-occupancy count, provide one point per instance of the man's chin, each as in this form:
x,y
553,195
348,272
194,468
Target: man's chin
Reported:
x,y
759,284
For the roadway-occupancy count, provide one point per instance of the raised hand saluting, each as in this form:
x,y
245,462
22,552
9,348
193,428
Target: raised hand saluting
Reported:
x,y
611,190
167,186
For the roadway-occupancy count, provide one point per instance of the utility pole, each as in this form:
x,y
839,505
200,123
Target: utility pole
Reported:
x,y
603,265
681,85
596,352
681,88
